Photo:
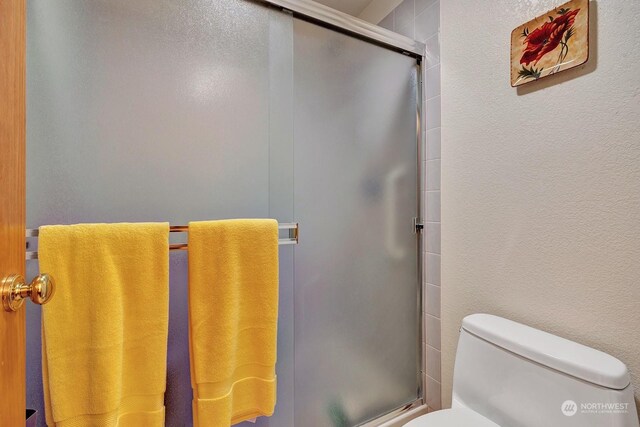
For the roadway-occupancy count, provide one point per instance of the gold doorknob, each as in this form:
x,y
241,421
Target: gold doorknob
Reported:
x,y
14,290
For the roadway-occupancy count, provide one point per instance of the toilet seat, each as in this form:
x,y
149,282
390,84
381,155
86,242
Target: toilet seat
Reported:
x,y
455,417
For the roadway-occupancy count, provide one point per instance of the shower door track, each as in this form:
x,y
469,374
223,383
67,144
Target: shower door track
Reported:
x,y
333,19
328,17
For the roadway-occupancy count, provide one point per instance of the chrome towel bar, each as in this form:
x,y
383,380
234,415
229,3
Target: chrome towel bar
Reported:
x,y
291,239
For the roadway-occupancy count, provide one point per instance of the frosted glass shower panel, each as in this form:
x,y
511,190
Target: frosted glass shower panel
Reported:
x,y
154,110
149,110
355,195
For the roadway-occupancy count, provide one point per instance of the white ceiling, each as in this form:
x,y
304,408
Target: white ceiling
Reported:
x,y
352,7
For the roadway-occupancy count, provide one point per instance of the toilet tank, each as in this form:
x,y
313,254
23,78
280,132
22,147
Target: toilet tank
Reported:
x,y
518,376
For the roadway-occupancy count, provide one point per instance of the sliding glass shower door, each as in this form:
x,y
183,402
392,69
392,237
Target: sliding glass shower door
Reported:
x,y
159,110
167,110
355,195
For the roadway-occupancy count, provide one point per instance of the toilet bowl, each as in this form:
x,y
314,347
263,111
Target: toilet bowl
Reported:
x,y
510,375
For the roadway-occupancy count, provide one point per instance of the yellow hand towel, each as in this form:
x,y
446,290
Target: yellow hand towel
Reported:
x,y
233,315
104,333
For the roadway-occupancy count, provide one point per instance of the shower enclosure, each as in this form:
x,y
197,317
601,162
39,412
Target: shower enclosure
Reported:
x,y
189,110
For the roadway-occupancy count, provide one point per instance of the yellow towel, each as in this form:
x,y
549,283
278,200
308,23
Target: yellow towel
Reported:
x,y
104,333
233,314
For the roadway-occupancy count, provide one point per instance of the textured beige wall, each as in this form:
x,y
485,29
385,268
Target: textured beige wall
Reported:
x,y
376,10
541,185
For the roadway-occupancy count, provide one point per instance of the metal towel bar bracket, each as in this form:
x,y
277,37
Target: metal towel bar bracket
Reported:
x,y
291,239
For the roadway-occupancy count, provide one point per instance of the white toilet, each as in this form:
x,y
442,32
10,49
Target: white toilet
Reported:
x,y
511,375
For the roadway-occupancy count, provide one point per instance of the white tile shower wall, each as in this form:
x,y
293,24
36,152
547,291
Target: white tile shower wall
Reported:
x,y
420,19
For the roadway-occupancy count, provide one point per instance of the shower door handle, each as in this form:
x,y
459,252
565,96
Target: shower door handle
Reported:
x,y
394,249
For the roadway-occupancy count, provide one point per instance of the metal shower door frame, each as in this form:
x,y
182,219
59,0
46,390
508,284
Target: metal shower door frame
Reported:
x,y
328,17
338,21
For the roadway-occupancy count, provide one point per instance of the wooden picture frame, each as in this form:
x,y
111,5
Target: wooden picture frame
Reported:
x,y
553,42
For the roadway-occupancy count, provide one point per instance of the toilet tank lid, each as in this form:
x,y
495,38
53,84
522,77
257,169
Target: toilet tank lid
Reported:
x,y
550,350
